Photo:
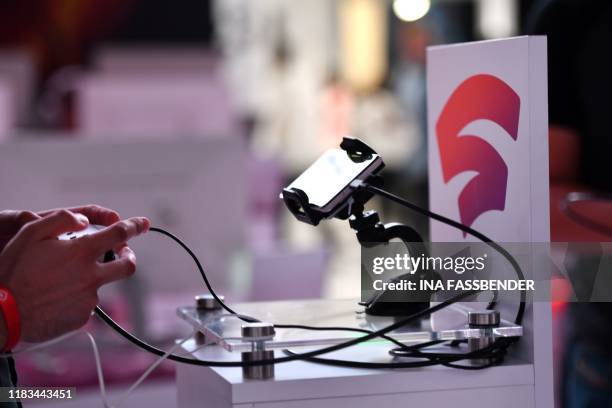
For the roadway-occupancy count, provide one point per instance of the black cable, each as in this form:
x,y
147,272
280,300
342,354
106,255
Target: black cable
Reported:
x,y
405,203
407,349
494,352
193,256
577,197
311,355
500,346
461,227
250,319
302,356
338,328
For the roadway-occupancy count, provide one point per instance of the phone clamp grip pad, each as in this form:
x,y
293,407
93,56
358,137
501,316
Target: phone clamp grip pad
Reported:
x,y
297,202
357,150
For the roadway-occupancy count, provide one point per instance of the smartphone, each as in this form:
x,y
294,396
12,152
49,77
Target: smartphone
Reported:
x,y
326,182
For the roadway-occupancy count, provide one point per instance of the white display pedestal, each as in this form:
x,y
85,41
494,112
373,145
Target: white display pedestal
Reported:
x,y
308,385
303,384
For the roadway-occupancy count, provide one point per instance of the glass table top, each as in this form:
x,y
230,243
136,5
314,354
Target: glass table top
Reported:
x,y
221,328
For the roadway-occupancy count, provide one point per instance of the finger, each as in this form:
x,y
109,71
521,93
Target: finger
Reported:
x,y
11,221
95,213
55,224
121,268
116,235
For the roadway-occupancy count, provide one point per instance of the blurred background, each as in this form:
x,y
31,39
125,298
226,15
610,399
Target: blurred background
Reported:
x,y
196,113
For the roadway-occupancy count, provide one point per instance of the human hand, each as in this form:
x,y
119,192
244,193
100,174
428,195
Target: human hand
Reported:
x,y
55,282
11,221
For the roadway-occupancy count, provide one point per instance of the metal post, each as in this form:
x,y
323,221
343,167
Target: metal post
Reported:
x,y
206,304
258,334
486,320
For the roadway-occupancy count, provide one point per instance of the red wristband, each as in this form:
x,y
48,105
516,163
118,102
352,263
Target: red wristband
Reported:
x,y
9,310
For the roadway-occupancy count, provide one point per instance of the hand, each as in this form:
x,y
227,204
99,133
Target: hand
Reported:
x,y
55,282
11,221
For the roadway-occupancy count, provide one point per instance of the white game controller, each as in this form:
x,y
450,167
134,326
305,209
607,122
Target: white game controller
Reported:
x,y
91,229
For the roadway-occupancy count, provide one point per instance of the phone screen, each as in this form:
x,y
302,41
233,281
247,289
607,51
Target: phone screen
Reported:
x,y
329,175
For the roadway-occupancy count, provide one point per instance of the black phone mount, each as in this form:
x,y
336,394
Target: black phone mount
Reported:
x,y
370,232
297,200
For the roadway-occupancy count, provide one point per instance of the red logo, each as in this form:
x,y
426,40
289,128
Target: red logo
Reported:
x,y
478,97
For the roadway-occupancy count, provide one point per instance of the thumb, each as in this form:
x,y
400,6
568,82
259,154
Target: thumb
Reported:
x,y
55,224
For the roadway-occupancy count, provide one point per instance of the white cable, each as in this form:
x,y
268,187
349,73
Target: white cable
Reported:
x,y
98,362
42,345
152,367
99,372
60,339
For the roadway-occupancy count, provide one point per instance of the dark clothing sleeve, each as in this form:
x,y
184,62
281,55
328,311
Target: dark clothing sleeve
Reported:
x,y
8,378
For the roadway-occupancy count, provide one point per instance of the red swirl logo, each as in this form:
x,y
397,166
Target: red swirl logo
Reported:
x,y
478,97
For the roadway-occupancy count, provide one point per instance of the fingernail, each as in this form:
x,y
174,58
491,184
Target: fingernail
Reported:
x,y
127,251
82,219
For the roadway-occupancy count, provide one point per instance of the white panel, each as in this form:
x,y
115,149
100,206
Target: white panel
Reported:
x,y
520,63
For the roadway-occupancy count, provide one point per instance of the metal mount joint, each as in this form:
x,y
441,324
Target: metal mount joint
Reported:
x,y
257,334
485,320
206,304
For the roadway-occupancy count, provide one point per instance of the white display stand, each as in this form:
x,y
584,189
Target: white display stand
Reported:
x,y
308,385
488,161
525,378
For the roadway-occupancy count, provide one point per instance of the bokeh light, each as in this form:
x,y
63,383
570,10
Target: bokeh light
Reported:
x,y
411,10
